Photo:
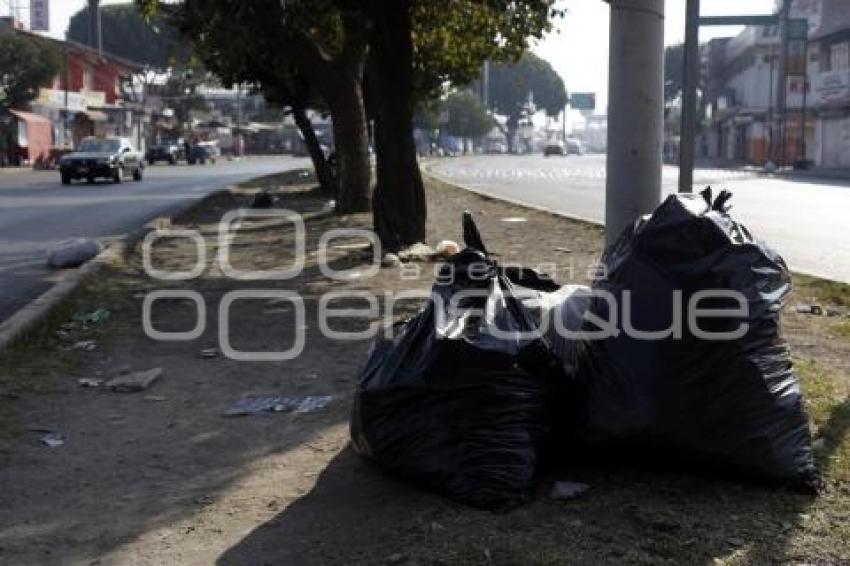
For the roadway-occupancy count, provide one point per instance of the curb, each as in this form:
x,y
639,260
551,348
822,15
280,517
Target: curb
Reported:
x,y
30,315
426,169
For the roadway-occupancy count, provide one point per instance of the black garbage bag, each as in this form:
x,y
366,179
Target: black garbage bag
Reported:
x,y
728,405
452,405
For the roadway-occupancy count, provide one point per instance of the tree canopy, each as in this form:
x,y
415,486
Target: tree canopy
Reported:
x,y
453,38
673,70
127,34
27,63
468,117
512,84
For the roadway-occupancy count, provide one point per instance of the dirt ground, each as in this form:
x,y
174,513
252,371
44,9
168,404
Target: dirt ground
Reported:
x,y
163,477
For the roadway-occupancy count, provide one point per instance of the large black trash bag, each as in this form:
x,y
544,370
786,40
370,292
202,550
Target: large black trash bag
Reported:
x,y
451,406
732,406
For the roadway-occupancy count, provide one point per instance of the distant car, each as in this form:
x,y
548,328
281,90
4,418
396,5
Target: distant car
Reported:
x,y
495,146
554,147
112,158
170,151
574,146
202,152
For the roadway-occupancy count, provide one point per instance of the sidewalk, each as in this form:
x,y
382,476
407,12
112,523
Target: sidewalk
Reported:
x,y
162,477
827,173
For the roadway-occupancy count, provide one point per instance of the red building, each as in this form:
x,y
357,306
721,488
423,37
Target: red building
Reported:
x,y
87,97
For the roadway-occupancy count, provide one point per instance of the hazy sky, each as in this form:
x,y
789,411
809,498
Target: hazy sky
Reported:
x,y
579,52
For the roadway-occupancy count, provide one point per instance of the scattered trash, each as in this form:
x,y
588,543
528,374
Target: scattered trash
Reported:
x,y
62,335
353,246
52,440
84,345
735,541
833,312
254,405
446,248
262,200
514,219
816,310
90,382
134,382
416,252
458,405
563,490
819,444
73,253
397,558
730,404
95,317
564,250
208,353
390,260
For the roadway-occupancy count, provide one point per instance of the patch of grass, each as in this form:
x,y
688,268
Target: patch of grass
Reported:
x,y
828,402
34,361
829,293
841,329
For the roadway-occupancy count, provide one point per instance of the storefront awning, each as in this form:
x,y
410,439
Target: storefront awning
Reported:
x,y
35,135
96,116
30,118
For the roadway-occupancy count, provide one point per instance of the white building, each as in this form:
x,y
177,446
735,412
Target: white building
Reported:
x,y
743,84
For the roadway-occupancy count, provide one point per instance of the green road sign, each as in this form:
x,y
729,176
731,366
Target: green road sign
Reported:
x,y
798,28
738,20
583,100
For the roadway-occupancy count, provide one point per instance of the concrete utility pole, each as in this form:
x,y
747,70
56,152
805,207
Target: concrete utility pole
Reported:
x,y
689,98
635,112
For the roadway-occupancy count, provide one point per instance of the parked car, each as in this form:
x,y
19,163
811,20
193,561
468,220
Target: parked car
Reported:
x,y
170,151
574,146
109,157
554,147
204,151
495,146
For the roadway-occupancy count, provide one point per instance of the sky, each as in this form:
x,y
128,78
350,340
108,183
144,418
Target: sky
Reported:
x,y
578,50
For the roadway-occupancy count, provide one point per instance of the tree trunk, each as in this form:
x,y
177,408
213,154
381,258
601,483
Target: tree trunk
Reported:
x,y
324,172
398,203
339,81
352,150
511,127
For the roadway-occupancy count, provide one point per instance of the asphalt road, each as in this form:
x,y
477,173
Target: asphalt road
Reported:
x,y
806,221
36,212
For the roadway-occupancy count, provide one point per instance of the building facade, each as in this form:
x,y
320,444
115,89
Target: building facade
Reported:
x,y
742,84
88,96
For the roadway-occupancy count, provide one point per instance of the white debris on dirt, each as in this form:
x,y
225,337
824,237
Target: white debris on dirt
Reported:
x,y
133,382
417,252
446,248
53,440
73,253
563,490
390,260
